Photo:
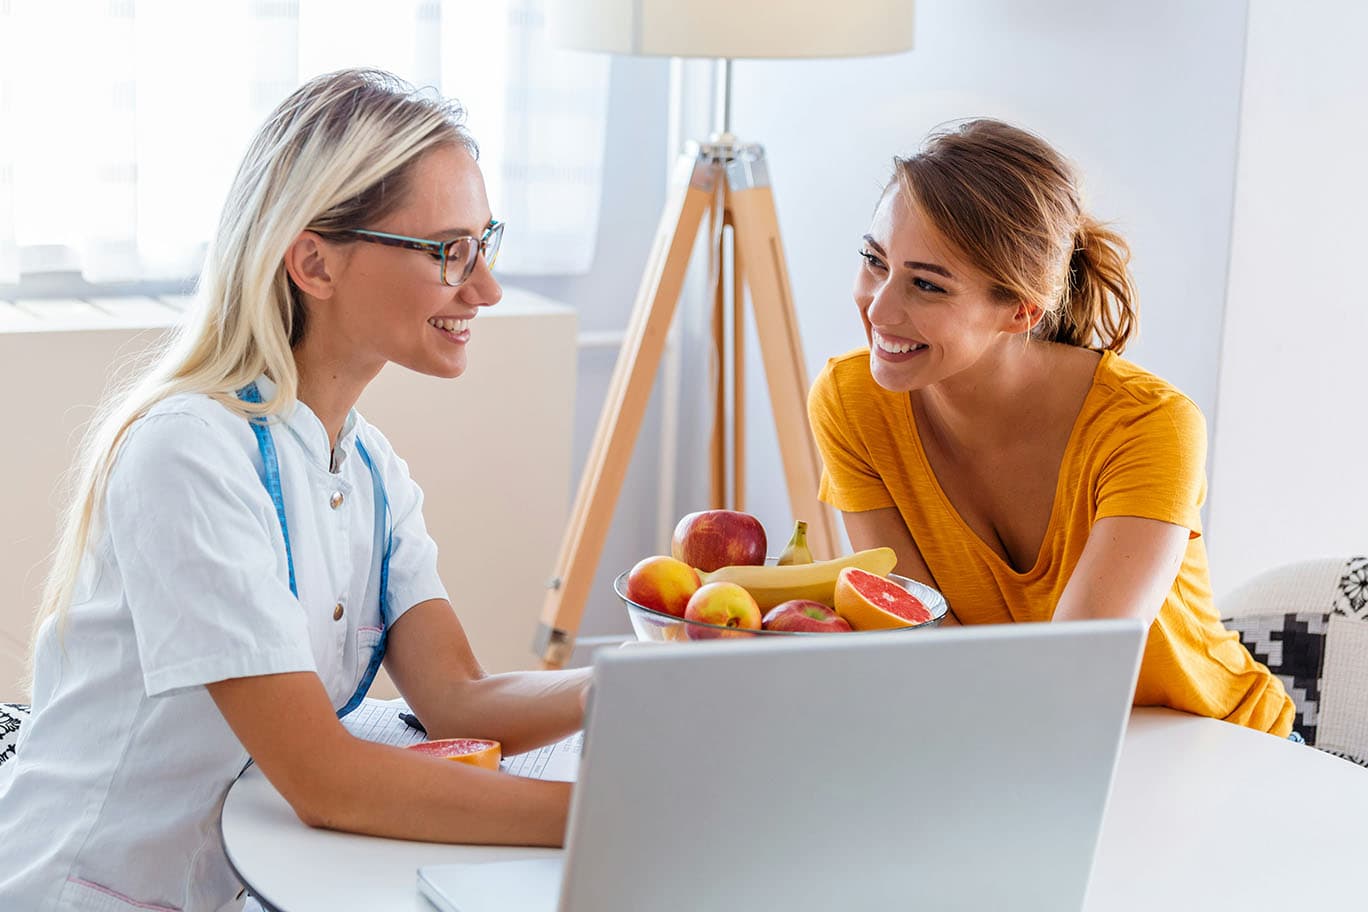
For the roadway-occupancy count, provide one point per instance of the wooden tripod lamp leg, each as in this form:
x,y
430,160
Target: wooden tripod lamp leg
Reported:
x,y
691,195
738,433
756,232
717,449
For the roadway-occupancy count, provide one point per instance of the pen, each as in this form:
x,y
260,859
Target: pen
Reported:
x,y
412,722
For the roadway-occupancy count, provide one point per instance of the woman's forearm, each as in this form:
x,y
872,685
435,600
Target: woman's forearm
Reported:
x,y
335,780
384,791
521,709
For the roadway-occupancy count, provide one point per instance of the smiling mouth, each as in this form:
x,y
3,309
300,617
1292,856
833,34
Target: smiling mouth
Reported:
x,y
451,326
896,346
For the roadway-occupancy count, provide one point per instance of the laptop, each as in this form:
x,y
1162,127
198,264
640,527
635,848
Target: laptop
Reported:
x,y
965,768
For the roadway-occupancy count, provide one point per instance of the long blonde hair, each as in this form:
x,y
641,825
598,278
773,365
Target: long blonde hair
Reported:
x,y
1011,204
335,154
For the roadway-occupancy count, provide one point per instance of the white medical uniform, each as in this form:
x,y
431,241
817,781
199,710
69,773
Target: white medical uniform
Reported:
x,y
112,802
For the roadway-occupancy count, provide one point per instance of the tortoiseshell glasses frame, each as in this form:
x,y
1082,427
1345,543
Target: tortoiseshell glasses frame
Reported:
x,y
456,255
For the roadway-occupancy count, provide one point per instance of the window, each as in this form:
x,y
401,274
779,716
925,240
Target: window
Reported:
x,y
121,122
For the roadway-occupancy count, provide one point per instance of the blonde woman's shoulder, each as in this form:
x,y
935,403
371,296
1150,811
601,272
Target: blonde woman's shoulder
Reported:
x,y
197,418
200,405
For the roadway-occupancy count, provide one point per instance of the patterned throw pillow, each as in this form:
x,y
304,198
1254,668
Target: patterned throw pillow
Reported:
x,y
11,714
1321,656
1293,648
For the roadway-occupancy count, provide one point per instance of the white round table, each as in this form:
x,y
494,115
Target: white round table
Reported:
x,y
1203,815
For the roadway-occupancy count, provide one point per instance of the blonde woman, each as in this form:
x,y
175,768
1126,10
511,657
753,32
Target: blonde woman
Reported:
x,y
244,548
991,434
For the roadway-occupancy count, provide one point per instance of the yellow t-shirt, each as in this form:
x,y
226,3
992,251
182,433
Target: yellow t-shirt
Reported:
x,y
1138,448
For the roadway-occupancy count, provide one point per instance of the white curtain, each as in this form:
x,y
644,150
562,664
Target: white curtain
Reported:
x,y
122,121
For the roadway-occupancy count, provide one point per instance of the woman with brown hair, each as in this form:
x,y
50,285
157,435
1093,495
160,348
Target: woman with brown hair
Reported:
x,y
993,436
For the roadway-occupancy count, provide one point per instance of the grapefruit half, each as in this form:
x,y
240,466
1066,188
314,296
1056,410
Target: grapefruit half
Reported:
x,y
475,751
871,602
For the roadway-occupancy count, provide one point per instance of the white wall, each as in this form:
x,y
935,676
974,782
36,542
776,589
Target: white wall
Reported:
x,y
1290,442
1144,98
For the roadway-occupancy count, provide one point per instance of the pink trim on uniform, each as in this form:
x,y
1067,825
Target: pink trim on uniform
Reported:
x,y
119,896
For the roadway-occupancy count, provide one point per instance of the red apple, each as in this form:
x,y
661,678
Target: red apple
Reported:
x,y
718,538
663,584
806,616
723,604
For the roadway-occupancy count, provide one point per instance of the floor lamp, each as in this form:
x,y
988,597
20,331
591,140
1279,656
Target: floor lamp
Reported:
x,y
728,181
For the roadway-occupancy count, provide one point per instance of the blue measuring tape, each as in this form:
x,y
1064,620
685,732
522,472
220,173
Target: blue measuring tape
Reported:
x,y
384,532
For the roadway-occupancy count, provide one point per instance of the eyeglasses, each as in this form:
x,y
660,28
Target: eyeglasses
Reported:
x,y
457,255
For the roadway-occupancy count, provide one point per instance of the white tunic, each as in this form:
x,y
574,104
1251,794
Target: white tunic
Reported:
x,y
112,801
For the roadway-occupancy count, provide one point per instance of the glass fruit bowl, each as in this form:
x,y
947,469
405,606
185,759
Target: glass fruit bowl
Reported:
x,y
658,627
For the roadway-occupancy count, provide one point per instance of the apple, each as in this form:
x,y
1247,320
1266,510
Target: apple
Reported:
x,y
663,584
723,604
806,616
710,539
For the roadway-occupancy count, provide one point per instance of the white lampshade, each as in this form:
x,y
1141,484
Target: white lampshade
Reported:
x,y
734,28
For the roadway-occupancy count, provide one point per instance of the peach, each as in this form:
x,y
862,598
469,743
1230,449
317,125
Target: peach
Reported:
x,y
725,605
662,584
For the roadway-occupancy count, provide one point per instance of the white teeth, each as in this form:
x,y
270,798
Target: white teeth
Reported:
x,y
896,348
453,326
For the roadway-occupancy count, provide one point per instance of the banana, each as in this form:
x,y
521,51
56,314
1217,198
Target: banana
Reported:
x,y
797,550
770,585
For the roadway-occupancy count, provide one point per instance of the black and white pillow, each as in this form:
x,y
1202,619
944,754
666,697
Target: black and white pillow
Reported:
x,y
1320,655
11,715
1293,647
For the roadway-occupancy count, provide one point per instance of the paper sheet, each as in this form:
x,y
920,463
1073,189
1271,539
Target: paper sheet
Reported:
x,y
378,720
558,761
